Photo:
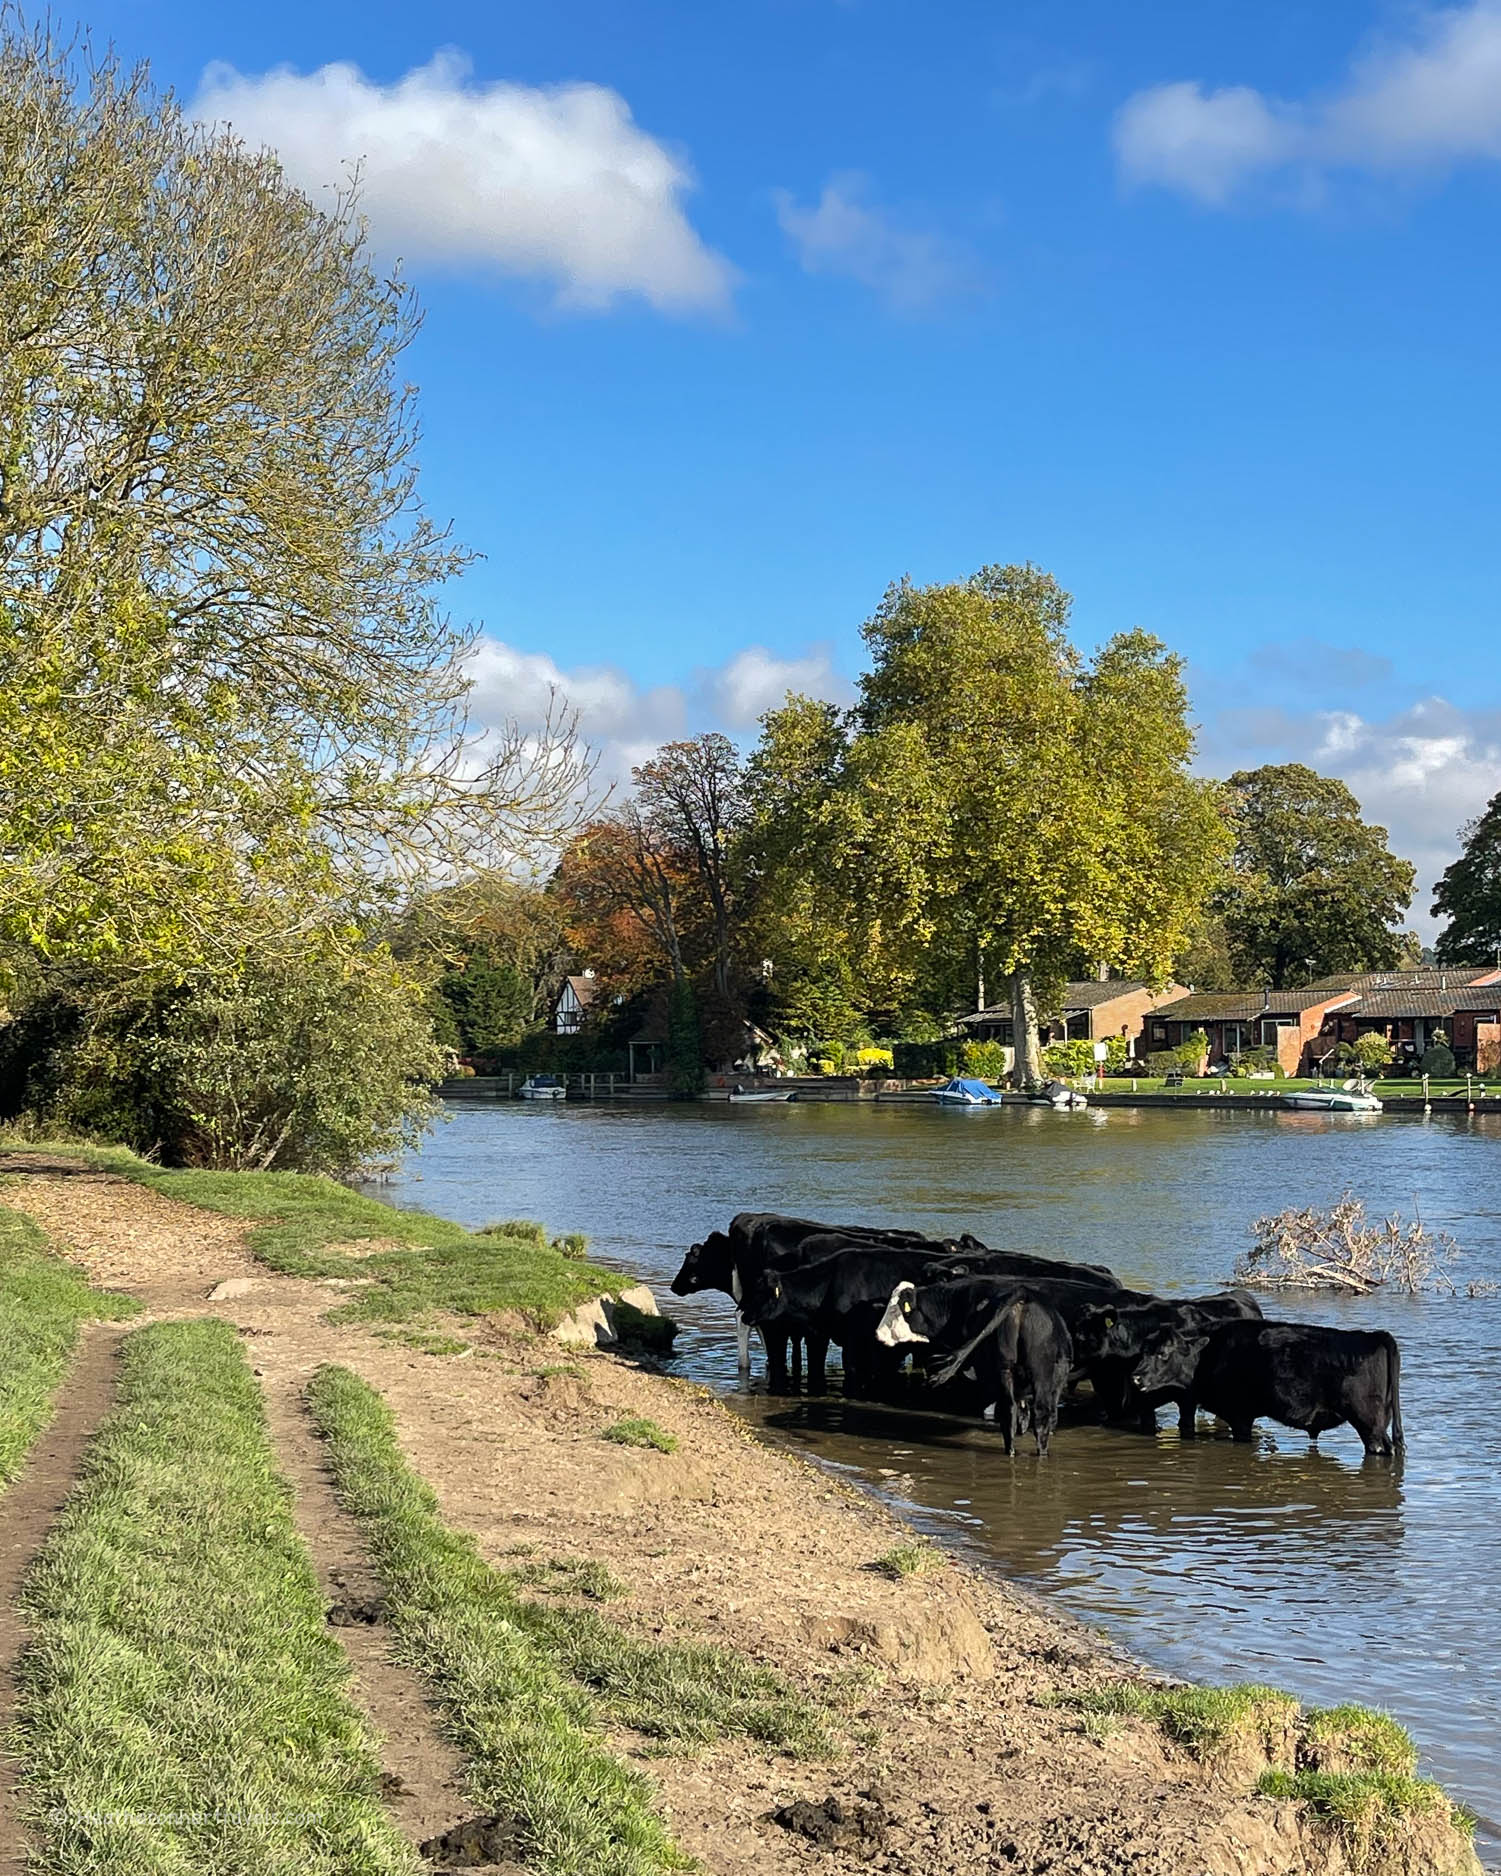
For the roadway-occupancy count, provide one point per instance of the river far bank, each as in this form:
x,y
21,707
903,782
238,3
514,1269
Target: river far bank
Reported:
x,y
783,1675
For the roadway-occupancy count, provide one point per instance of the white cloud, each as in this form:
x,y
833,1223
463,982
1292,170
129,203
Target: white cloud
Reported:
x,y
912,269
1424,104
756,680
626,723
1421,773
555,184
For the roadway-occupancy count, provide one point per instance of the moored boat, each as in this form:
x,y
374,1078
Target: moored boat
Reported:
x,y
1058,1094
543,1088
965,1091
741,1095
1352,1097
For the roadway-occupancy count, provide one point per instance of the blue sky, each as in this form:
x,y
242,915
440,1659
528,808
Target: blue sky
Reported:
x,y
736,313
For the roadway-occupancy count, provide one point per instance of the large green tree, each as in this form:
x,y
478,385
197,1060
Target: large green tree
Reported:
x,y
1314,889
1469,894
1003,806
225,675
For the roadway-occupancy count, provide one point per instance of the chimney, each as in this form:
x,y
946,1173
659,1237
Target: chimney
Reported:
x,y
1266,999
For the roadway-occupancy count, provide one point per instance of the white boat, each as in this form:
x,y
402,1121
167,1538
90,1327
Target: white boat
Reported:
x,y
1058,1094
1352,1097
543,1088
763,1094
964,1091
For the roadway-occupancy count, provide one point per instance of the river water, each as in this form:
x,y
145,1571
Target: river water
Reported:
x,y
1311,1570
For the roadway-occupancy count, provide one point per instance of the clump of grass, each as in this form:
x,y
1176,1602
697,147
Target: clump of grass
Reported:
x,y
553,1369
571,1576
43,1302
572,1244
636,1430
1356,1739
427,1342
1370,1812
910,1559
519,1230
182,1704
1203,1720
488,1651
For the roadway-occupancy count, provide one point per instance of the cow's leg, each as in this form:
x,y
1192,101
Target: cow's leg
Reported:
x,y
797,1359
742,1336
1188,1418
1006,1415
818,1355
776,1362
1242,1430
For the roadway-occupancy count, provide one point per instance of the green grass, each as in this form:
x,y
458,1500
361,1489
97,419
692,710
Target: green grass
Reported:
x,y
1356,1739
43,1301
636,1430
1203,1720
910,1559
437,1266
1370,1812
183,1706
522,1680
570,1576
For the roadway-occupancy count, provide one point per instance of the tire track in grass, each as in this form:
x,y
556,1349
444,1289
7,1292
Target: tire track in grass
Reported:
x,y
183,1706
27,1512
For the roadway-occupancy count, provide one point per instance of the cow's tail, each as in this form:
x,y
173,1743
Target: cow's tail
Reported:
x,y
941,1376
1394,1378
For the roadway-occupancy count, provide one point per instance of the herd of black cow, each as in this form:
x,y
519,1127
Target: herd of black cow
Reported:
x,y
1010,1332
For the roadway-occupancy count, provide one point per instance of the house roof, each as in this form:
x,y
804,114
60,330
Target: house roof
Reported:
x,y
1087,995
585,988
1244,1006
1389,1003
1442,977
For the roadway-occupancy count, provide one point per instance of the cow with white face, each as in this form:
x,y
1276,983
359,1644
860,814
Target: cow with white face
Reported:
x,y
1013,1339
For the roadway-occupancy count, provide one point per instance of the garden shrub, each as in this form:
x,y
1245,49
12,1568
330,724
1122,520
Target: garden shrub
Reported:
x,y
989,1060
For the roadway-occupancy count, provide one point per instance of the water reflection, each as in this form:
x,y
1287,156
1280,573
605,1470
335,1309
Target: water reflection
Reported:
x,y
1309,1569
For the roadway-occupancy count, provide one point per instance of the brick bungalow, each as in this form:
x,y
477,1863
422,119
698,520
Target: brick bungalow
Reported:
x,y
1306,1026
1092,1011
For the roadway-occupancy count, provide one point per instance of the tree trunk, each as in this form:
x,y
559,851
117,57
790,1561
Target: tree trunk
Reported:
x,y
1026,1067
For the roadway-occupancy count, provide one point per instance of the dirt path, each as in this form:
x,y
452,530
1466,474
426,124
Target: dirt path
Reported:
x,y
27,1512
946,1682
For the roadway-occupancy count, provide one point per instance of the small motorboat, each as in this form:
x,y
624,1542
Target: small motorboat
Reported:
x,y
737,1093
1058,1094
543,1088
1351,1097
966,1092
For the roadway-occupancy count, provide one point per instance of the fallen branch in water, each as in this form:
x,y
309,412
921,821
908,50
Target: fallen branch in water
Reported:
x,y
1309,1249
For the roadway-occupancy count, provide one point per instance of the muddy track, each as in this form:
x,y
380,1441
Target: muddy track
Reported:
x,y
424,1774
28,1511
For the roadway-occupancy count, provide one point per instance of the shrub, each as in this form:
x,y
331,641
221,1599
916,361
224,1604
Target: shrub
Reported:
x,y
989,1060
1192,1053
1253,1061
917,1061
1164,1062
1117,1054
1438,1058
1069,1058
1372,1052
873,1057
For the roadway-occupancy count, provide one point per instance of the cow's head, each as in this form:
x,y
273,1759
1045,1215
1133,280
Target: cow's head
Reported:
x,y
762,1297
688,1279
706,1267
896,1327
1098,1333
1170,1365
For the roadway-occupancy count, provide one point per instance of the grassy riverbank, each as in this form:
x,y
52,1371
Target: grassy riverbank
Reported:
x,y
182,1703
645,1633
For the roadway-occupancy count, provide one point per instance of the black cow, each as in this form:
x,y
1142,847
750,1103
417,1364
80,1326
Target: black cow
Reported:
x,y
1018,1344
1112,1339
1300,1373
840,1298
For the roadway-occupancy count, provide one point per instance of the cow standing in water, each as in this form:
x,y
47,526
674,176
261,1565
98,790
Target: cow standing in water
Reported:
x,y
1302,1374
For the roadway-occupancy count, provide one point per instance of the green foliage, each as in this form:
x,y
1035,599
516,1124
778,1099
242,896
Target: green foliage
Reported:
x,y
921,1061
1372,1052
995,800
1253,1062
1352,1738
318,1061
915,1559
1069,1058
183,1703
1117,1054
685,1049
1469,894
988,1060
1370,1812
1438,1059
1192,1053
43,1300
635,1430
1314,889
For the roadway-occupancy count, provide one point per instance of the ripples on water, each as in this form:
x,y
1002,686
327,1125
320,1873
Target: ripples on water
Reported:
x,y
1276,1562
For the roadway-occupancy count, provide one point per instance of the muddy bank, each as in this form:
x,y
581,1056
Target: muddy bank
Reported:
x,y
951,1692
